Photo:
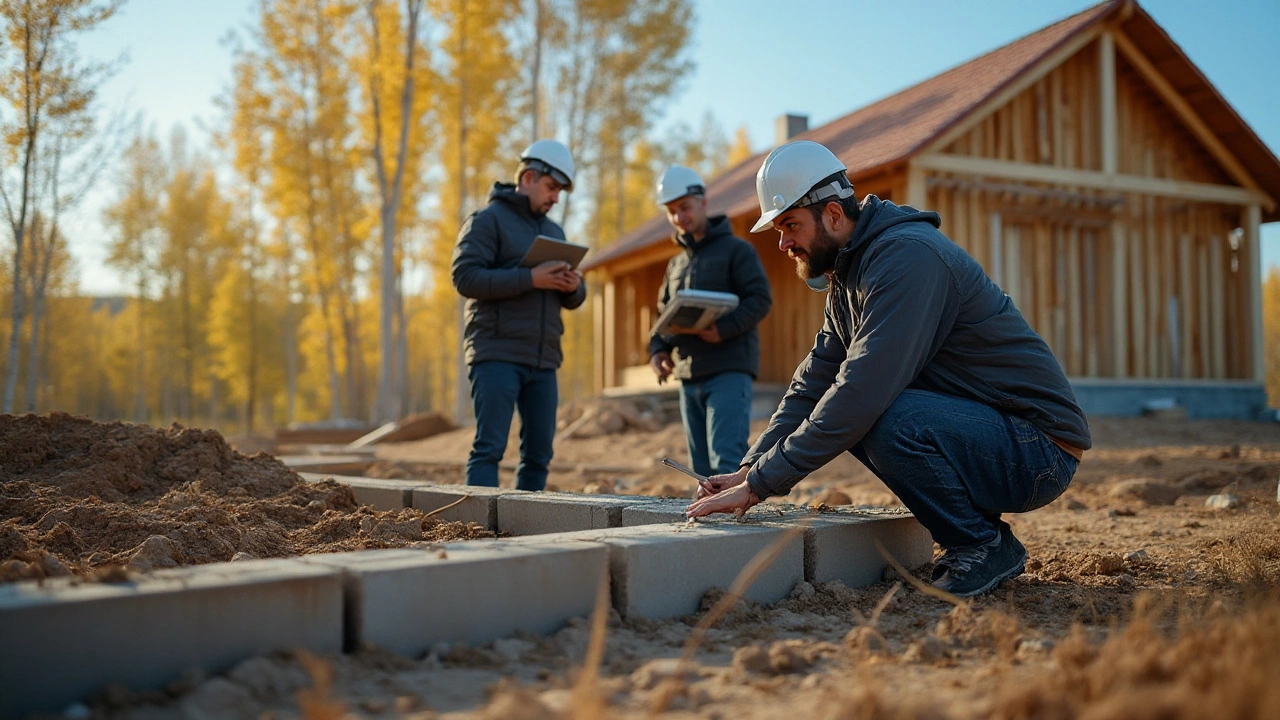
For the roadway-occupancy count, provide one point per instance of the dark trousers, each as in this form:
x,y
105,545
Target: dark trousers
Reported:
x,y
497,390
958,464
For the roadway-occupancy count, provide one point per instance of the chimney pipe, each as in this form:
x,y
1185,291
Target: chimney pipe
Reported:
x,y
788,126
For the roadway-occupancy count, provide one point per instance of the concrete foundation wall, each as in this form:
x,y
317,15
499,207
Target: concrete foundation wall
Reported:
x,y
1237,400
62,641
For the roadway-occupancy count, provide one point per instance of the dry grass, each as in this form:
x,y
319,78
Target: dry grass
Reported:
x,y
1223,667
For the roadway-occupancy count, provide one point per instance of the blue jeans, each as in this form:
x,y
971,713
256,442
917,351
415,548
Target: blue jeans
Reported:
x,y
717,418
498,389
958,464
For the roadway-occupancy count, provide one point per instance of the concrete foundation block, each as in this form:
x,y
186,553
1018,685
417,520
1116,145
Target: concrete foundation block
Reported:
x,y
479,504
64,641
659,511
410,600
661,571
839,545
544,512
377,493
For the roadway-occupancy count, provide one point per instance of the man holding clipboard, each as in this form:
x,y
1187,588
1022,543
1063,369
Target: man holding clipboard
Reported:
x,y
516,280
717,364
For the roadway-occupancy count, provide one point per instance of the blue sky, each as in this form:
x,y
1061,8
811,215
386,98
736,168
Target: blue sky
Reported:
x,y
754,61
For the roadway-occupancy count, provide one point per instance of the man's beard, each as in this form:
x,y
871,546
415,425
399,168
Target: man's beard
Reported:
x,y
821,258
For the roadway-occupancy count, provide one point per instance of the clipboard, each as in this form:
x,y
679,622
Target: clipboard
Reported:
x,y
548,248
692,310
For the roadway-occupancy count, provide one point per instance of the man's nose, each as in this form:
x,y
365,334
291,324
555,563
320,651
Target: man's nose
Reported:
x,y
555,197
785,243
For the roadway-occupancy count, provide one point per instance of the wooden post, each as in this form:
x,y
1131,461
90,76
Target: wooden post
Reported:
x,y
997,252
1252,236
601,326
1119,308
916,189
1107,100
1217,306
610,333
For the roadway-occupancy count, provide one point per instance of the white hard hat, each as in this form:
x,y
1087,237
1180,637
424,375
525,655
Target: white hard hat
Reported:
x,y
789,178
553,158
677,182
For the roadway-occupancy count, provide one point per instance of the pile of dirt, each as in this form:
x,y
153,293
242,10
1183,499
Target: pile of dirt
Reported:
x,y
87,498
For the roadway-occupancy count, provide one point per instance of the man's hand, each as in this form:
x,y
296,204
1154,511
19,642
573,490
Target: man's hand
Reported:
x,y
710,334
571,280
662,365
737,500
553,275
720,483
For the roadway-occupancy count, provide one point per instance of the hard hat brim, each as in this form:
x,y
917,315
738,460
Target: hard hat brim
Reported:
x,y
766,221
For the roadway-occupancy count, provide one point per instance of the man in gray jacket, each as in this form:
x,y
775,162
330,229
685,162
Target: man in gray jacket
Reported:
x,y
717,365
924,370
513,327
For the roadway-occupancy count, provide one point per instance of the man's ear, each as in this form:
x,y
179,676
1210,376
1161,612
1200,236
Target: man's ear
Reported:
x,y
833,213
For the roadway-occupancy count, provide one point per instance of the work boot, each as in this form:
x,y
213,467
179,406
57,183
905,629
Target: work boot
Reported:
x,y
973,571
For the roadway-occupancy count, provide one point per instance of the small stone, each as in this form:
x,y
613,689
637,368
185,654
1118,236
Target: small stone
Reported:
x,y
242,556
928,649
156,551
752,659
803,590
315,505
1125,581
1136,556
1031,648
866,641
1074,504
1225,501
649,675
1121,512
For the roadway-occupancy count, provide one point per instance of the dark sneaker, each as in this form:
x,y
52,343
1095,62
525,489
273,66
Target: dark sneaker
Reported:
x,y
977,570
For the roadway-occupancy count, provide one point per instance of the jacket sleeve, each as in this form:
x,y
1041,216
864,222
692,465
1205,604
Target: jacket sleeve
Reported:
x,y
910,306
662,343
751,285
809,383
474,258
574,300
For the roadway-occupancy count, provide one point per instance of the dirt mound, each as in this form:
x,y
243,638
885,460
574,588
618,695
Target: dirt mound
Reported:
x,y
78,496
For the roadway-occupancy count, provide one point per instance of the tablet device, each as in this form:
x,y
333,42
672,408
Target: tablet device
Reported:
x,y
691,311
548,248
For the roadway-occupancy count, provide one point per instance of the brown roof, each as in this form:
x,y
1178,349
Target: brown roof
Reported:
x,y
890,131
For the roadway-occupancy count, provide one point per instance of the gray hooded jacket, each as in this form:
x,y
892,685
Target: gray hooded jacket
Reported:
x,y
908,308
506,317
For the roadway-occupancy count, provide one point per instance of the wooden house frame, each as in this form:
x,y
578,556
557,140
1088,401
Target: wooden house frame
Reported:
x,y
1095,173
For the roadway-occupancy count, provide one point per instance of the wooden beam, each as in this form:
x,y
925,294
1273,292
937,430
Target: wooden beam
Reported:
x,y
1107,100
1136,184
1119,308
657,253
1253,237
1184,111
1013,89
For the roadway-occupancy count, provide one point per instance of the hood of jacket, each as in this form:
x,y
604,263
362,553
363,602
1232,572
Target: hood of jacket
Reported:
x,y
717,227
874,218
507,194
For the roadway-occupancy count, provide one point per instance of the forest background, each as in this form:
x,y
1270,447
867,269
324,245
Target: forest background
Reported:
x,y
295,268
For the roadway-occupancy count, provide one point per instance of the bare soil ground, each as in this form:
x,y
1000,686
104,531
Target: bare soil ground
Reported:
x,y
103,500
1139,602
